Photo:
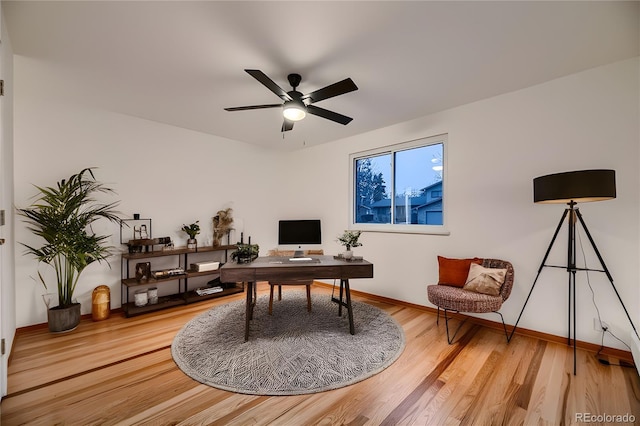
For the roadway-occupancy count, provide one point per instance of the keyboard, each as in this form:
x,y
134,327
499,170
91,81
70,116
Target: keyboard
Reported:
x,y
298,259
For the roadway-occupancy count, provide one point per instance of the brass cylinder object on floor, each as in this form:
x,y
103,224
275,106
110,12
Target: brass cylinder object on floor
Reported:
x,y
101,303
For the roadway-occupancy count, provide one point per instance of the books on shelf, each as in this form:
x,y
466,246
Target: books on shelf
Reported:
x,y
203,291
166,273
205,266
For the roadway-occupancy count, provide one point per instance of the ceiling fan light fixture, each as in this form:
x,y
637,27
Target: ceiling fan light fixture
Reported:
x,y
294,111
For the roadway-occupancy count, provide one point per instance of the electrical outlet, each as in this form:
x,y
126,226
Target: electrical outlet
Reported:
x,y
599,325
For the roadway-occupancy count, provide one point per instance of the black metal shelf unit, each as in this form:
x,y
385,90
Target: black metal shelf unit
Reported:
x,y
182,295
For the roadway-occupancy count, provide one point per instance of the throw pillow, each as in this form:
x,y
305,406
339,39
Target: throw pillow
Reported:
x,y
485,280
454,272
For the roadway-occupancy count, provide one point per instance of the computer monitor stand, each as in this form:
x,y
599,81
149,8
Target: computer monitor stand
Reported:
x,y
298,253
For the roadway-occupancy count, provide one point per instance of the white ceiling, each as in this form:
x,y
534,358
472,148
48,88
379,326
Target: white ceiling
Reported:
x,y
181,63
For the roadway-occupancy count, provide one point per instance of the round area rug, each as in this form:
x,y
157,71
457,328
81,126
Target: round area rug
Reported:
x,y
291,352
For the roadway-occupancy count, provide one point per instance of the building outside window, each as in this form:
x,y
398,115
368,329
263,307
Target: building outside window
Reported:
x,y
400,188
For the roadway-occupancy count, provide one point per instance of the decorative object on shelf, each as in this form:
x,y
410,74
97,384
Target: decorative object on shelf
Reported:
x,y
349,239
143,271
136,229
166,273
62,216
222,225
152,295
204,266
245,253
192,230
140,298
142,231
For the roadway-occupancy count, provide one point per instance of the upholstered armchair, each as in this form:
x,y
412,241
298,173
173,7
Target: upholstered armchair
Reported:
x,y
474,299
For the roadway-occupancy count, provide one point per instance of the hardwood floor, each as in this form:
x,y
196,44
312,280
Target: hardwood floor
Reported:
x,y
120,371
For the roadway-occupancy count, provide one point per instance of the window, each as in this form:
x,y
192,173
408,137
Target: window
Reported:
x,y
400,188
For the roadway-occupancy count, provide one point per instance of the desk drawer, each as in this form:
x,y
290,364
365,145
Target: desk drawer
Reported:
x,y
237,275
297,273
355,270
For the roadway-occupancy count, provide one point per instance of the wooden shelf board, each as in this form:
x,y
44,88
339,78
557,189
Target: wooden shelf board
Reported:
x,y
164,302
132,282
192,296
215,274
176,251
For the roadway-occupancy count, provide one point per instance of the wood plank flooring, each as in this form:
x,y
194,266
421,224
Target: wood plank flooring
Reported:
x,y
120,372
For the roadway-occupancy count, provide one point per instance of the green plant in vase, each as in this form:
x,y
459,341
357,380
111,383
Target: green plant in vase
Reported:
x,y
349,239
62,216
192,230
245,253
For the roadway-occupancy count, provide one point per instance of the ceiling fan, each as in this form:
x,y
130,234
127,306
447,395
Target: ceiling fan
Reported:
x,y
296,105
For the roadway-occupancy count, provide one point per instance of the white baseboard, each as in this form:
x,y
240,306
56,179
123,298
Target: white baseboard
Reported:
x,y
635,350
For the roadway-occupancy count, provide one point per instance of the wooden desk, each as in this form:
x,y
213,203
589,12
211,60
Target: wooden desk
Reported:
x,y
278,268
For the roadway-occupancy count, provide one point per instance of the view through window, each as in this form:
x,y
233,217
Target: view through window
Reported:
x,y
400,185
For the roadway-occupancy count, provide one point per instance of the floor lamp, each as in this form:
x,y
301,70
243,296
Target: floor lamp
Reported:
x,y
573,188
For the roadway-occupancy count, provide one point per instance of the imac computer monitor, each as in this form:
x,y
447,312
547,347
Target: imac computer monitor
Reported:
x,y
296,234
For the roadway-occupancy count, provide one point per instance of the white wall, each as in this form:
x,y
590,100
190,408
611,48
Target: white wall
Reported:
x,y
171,175
496,147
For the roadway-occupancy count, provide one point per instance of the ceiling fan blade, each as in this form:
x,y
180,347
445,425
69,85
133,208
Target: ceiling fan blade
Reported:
x,y
243,108
329,115
340,88
287,125
269,84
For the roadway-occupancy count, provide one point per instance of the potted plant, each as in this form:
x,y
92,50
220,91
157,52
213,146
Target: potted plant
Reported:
x,y
245,253
349,239
192,230
62,216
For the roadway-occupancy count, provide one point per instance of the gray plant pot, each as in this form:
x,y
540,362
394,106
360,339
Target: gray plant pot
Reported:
x,y
62,319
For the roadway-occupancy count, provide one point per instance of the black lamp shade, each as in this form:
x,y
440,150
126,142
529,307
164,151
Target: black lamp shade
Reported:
x,y
580,186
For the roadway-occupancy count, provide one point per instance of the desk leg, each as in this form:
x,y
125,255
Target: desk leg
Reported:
x,y
341,293
250,302
347,291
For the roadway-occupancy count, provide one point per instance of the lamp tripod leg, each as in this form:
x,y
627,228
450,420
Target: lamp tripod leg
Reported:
x,y
572,298
571,269
542,264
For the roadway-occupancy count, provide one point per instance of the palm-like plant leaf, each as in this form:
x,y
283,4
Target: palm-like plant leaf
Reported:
x,y
62,216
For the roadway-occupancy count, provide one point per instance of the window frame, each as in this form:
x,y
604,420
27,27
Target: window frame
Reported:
x,y
392,149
